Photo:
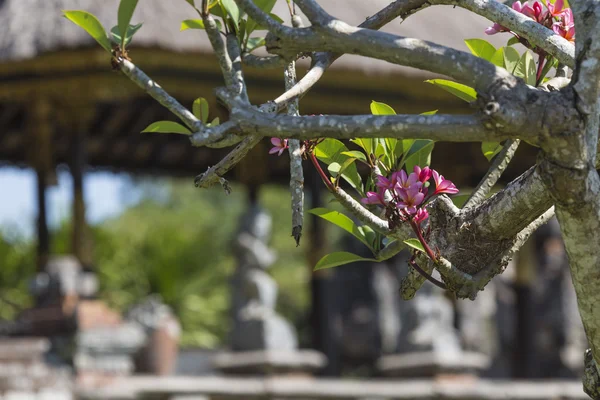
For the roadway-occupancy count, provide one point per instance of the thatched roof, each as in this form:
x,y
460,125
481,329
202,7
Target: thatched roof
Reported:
x,y
31,28
44,56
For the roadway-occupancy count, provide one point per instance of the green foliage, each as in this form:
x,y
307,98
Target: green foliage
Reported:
x,y
365,236
18,266
526,68
331,151
339,258
490,149
179,246
91,25
194,24
126,9
459,90
511,59
200,109
414,244
167,127
481,48
419,154
116,35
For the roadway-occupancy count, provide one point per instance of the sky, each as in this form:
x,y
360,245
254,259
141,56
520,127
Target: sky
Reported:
x,y
103,193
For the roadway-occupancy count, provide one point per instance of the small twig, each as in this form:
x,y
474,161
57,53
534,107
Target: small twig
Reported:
x,y
426,275
296,172
216,41
238,85
159,94
361,213
497,167
322,174
215,173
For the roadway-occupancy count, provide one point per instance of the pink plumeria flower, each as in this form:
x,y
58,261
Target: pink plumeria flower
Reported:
x,y
411,197
279,145
405,181
385,183
423,174
539,14
420,216
496,28
523,8
443,185
556,9
374,197
565,27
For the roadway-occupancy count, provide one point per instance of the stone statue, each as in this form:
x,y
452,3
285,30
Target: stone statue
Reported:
x,y
256,324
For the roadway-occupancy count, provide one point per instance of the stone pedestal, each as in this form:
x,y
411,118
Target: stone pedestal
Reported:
x,y
431,364
23,370
270,362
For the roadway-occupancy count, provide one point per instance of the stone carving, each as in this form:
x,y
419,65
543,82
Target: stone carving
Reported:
x,y
159,355
256,324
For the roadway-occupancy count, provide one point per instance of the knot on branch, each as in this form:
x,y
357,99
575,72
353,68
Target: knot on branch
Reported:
x,y
513,107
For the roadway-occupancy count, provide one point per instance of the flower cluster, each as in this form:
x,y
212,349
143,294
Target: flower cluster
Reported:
x,y
555,17
407,194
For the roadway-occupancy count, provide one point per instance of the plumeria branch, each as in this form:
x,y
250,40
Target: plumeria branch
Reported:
x,y
137,76
517,22
497,167
266,62
322,60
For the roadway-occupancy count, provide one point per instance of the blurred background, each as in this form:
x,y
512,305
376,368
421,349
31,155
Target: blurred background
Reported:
x,y
120,279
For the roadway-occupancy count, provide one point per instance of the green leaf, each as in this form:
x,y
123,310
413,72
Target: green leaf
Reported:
x,y
420,154
402,148
200,109
255,43
91,25
167,127
197,24
461,91
329,151
232,10
192,24
511,59
415,244
214,122
334,169
526,68
339,258
498,58
550,62
116,35
512,41
359,155
368,145
381,109
481,48
126,9
490,149
343,222
266,6
432,112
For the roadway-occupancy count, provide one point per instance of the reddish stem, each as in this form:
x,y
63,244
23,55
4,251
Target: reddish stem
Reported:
x,y
426,275
417,231
326,180
540,68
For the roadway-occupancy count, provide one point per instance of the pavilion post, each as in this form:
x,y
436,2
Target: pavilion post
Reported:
x,y
43,246
79,230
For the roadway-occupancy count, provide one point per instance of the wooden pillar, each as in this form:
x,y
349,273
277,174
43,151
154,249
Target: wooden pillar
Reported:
x,y
43,243
39,129
79,240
